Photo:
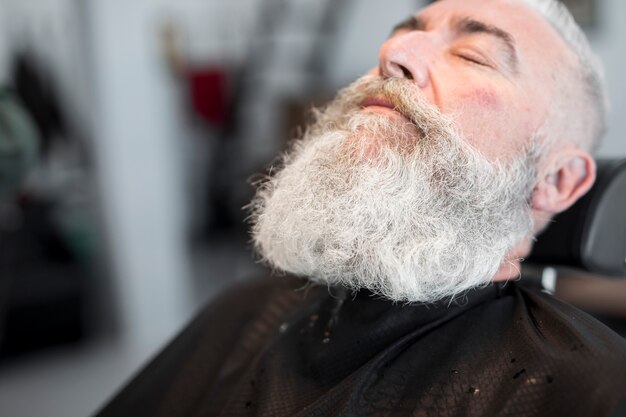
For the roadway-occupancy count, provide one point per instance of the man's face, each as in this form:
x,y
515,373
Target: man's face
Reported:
x,y
489,64
415,181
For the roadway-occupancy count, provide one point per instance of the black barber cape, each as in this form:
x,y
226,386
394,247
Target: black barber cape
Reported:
x,y
280,348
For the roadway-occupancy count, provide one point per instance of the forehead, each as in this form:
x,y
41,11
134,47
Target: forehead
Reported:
x,y
509,13
537,42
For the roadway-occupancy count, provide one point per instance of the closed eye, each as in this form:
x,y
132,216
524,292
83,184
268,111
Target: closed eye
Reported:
x,y
474,58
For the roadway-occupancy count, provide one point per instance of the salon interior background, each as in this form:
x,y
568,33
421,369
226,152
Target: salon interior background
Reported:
x,y
152,114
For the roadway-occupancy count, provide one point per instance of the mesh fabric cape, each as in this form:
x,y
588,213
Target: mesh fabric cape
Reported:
x,y
279,347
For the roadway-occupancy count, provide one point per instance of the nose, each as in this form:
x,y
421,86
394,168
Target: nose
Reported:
x,y
407,56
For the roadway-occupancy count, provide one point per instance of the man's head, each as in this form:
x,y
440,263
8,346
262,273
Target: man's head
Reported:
x,y
509,71
430,175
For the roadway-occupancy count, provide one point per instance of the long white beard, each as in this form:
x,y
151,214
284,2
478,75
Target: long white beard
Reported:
x,y
407,210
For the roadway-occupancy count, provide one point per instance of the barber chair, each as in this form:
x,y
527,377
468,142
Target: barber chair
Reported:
x,y
584,247
591,236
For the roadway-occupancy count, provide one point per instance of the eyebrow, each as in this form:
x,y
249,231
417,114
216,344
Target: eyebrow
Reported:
x,y
411,23
469,26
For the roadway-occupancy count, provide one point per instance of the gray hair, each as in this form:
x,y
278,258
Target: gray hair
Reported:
x,y
587,124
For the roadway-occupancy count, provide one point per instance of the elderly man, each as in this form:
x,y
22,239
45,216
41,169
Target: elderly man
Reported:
x,y
405,210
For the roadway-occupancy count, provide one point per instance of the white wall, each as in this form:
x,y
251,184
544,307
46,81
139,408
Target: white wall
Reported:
x,y
365,27
4,51
609,42
138,146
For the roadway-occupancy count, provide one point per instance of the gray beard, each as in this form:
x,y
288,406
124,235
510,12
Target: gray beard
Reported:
x,y
407,209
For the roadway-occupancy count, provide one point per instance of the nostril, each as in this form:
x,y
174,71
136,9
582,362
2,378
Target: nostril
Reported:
x,y
394,69
407,74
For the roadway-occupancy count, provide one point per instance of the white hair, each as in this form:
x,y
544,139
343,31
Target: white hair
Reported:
x,y
587,124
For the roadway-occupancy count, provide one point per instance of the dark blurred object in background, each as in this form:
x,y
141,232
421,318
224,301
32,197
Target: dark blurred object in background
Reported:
x,y
19,144
39,97
42,282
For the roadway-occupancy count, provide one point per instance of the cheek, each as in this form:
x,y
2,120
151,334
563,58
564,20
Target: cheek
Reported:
x,y
482,112
486,120
483,99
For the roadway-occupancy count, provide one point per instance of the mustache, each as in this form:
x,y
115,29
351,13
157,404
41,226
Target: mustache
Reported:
x,y
404,97
392,92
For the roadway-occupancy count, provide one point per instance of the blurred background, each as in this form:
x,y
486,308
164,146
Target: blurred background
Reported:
x,y
130,132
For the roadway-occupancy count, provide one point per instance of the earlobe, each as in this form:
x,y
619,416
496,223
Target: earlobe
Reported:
x,y
569,177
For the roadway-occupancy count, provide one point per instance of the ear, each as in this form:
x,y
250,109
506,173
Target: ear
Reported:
x,y
567,176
